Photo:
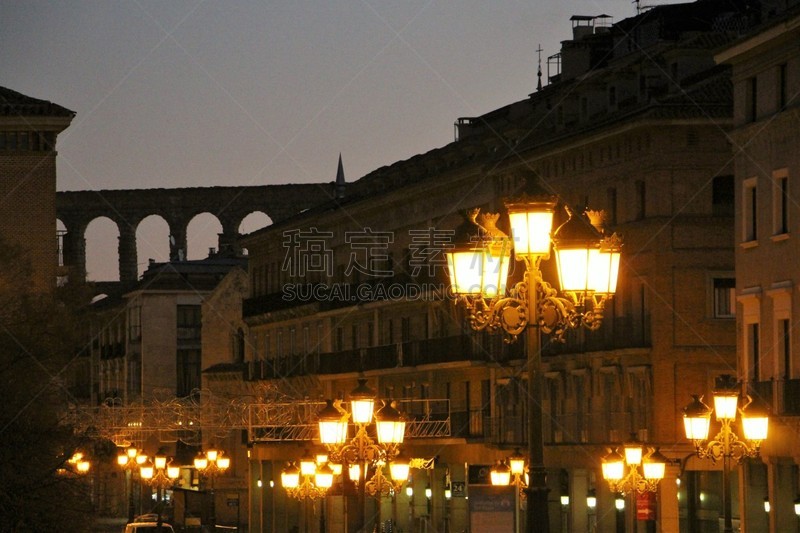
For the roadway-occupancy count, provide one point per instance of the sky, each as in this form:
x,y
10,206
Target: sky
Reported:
x,y
205,93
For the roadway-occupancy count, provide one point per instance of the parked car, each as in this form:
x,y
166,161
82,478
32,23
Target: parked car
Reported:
x,y
148,527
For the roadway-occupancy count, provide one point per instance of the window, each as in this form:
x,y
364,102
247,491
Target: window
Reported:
x,y
752,99
406,329
782,86
724,297
780,203
722,196
134,378
641,200
339,339
189,321
785,347
641,395
754,366
135,323
611,205
750,210
188,372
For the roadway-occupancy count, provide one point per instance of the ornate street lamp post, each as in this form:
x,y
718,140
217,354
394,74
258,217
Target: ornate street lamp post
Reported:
x,y
130,460
309,482
726,445
77,464
210,464
588,265
646,467
512,472
362,453
159,474
80,463
651,462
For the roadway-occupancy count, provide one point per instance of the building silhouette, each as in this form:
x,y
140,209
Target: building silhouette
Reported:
x,y
29,128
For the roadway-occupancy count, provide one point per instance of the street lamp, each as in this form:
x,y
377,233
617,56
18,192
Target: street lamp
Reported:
x,y
588,265
726,445
310,481
130,460
513,473
591,505
80,463
210,464
652,463
159,473
76,464
363,451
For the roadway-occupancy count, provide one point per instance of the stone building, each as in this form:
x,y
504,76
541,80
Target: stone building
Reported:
x,y
145,352
766,80
29,128
636,123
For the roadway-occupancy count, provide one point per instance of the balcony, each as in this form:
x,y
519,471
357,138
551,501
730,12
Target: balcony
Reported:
x,y
458,348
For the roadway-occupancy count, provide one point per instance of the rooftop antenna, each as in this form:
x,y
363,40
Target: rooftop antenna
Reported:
x,y
539,71
641,8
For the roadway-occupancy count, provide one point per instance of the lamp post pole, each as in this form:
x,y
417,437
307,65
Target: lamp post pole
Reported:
x,y
537,512
726,483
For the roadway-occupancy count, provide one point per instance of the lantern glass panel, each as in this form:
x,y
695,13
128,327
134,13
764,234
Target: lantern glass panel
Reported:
x,y
696,427
573,268
725,405
531,232
290,480
755,427
465,268
362,410
390,431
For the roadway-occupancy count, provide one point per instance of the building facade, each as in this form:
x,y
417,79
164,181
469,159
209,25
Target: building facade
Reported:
x,y
766,78
635,123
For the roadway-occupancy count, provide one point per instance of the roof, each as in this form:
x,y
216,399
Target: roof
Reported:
x,y
14,104
195,275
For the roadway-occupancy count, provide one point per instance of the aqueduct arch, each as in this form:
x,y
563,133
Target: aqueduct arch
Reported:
x,y
127,208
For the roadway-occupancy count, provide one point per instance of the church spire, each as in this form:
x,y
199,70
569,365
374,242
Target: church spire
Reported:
x,y
340,183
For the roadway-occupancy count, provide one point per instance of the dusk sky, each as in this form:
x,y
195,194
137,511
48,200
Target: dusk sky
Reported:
x,y
177,94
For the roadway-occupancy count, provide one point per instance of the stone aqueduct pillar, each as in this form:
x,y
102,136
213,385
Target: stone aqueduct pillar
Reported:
x,y
75,249
128,270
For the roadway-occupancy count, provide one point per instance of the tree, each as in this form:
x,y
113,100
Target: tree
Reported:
x,y
39,488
